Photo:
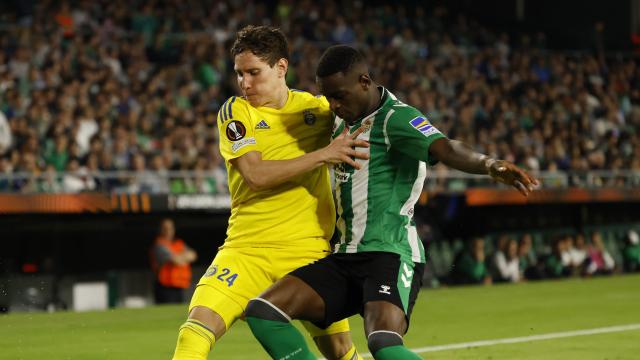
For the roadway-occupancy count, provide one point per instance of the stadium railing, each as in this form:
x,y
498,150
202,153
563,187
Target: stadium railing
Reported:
x,y
209,182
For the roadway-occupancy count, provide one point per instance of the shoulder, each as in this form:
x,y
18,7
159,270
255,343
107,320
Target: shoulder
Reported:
x,y
235,105
309,100
161,242
403,115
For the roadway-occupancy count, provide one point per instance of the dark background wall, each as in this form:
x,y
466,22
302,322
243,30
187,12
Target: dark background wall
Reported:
x,y
91,243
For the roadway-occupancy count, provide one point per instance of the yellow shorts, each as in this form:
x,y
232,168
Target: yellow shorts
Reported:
x,y
238,275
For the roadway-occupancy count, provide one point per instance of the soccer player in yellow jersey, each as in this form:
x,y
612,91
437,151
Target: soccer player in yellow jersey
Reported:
x,y
276,145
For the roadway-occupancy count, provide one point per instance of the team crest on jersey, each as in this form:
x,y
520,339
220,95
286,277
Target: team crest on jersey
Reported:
x,y
235,130
212,270
367,124
262,125
424,126
309,117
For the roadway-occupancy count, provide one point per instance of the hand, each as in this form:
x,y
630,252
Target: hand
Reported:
x,y
508,173
342,149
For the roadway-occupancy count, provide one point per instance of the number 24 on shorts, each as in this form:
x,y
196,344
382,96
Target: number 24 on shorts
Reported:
x,y
225,274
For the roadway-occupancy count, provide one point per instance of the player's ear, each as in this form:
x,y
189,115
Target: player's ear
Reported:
x,y
365,81
282,66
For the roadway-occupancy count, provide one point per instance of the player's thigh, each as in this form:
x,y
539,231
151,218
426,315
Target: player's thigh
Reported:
x,y
318,277
234,277
340,297
287,260
390,290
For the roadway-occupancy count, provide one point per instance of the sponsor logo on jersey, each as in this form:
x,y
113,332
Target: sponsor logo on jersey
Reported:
x,y
242,143
262,125
384,289
340,174
422,124
235,130
309,117
342,177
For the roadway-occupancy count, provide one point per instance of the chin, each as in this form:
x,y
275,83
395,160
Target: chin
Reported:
x,y
350,120
253,100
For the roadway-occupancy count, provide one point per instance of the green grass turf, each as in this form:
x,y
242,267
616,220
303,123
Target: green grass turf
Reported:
x,y
442,316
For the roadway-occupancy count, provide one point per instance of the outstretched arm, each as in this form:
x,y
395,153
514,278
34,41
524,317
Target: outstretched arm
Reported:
x,y
264,174
459,156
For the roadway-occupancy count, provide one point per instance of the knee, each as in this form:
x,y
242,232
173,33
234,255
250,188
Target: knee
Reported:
x,y
334,346
381,339
262,309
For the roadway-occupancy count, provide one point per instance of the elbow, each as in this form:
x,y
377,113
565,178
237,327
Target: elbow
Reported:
x,y
256,183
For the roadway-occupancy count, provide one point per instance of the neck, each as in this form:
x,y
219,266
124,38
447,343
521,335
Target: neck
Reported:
x,y
280,98
375,98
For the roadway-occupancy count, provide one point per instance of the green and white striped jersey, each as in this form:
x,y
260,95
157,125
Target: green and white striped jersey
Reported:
x,y
375,204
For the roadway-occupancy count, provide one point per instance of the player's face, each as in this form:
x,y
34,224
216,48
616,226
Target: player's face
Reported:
x,y
347,94
258,81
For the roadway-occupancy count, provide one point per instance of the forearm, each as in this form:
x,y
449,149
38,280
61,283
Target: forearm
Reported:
x,y
460,156
266,174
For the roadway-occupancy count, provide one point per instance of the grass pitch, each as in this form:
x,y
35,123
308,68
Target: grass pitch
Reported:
x,y
442,316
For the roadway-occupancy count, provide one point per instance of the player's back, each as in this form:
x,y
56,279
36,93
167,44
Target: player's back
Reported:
x,y
292,213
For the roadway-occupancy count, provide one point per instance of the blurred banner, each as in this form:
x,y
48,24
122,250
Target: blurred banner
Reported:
x,y
158,203
483,197
105,203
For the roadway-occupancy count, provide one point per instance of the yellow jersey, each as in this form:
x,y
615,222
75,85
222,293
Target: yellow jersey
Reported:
x,y
298,213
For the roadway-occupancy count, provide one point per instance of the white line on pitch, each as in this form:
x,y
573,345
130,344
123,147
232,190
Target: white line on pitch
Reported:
x,y
557,335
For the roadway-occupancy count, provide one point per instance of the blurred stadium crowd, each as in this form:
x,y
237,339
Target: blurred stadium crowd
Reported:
x,y
531,256
94,86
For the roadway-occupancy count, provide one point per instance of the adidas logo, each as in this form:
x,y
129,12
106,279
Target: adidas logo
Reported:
x,y
263,125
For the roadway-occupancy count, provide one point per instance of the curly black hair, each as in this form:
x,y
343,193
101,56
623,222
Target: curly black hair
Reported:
x,y
266,42
338,58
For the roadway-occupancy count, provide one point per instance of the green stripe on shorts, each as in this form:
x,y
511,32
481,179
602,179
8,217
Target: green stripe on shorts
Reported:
x,y
405,279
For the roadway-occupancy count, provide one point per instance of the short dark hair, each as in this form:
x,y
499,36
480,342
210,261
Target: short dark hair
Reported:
x,y
338,58
266,42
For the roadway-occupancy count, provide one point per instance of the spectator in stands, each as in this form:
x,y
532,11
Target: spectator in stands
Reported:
x,y
469,265
553,265
631,252
171,261
77,178
505,262
527,258
600,260
142,180
6,169
578,253
27,181
57,154
51,183
567,241
548,110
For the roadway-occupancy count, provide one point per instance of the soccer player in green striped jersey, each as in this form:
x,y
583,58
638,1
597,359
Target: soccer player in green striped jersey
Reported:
x,y
377,263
